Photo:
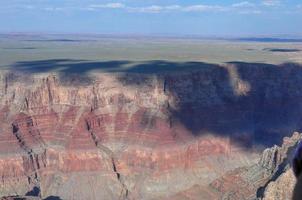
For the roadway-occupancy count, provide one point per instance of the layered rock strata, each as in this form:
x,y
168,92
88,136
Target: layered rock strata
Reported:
x,y
145,136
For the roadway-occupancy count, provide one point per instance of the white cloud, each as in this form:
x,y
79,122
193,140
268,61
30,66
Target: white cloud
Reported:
x,y
271,2
241,7
108,5
243,4
202,8
148,9
173,7
248,12
170,8
50,9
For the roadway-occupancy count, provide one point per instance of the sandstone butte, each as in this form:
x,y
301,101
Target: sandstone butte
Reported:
x,y
190,135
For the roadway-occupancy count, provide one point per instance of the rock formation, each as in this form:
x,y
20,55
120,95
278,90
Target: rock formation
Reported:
x,y
283,181
271,178
195,134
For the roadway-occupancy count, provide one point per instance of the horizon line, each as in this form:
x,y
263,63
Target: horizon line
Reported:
x,y
157,35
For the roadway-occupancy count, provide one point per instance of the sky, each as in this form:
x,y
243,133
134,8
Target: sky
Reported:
x,y
153,17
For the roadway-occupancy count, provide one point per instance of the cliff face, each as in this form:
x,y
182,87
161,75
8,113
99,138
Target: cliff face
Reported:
x,y
282,183
282,188
131,136
271,178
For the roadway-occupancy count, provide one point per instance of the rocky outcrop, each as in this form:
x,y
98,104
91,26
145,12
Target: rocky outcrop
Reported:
x,y
274,158
282,188
283,181
271,178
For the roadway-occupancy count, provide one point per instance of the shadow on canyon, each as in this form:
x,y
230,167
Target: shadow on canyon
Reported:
x,y
53,198
34,192
252,103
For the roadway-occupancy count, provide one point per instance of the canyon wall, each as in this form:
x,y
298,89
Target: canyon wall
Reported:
x,y
185,135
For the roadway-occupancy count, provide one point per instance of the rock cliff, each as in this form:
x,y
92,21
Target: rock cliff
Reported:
x,y
283,181
147,136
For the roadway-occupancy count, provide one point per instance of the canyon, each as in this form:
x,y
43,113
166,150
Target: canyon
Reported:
x,y
206,132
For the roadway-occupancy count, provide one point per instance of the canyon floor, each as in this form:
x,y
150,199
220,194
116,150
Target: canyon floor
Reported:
x,y
90,117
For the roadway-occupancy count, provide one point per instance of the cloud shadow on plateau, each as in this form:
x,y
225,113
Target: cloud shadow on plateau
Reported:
x,y
20,48
212,101
281,50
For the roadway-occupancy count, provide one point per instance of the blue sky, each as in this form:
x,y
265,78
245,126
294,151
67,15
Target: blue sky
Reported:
x,y
171,17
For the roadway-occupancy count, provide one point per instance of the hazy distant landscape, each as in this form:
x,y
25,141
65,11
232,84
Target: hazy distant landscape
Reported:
x,y
86,49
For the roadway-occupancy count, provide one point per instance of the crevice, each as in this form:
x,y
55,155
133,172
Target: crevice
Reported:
x,y
165,86
95,99
114,169
26,103
31,178
21,141
125,192
49,91
87,125
6,85
92,135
